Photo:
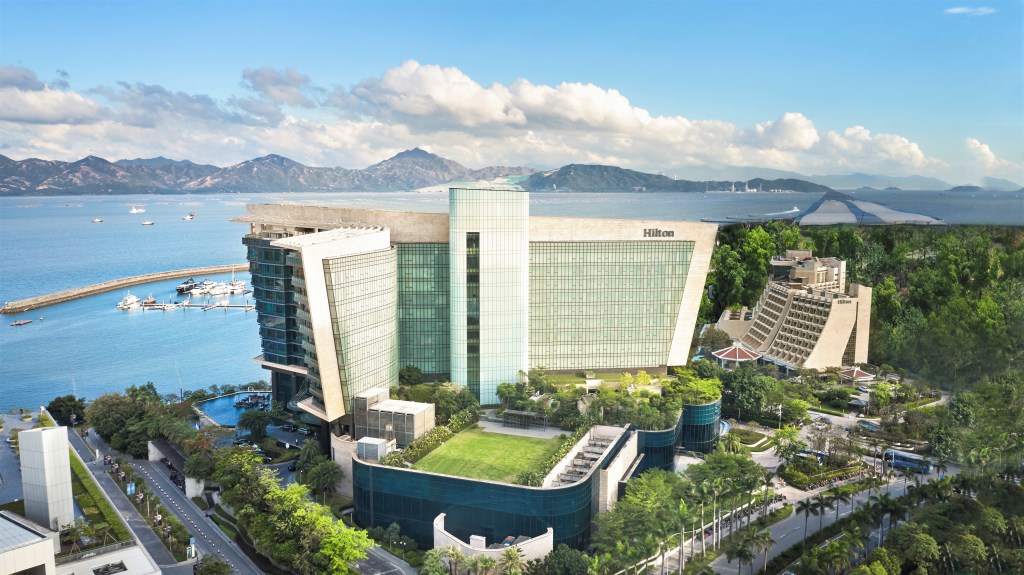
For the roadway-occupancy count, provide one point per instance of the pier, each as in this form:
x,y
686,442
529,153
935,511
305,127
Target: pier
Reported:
x,y
32,303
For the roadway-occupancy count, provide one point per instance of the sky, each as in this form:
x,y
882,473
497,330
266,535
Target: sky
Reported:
x,y
684,88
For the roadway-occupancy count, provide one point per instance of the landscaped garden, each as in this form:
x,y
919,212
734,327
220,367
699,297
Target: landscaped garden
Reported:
x,y
495,456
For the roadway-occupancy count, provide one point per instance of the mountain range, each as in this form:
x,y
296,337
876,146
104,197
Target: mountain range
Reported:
x,y
408,170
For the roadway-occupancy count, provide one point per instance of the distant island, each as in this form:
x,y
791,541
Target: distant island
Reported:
x,y
409,170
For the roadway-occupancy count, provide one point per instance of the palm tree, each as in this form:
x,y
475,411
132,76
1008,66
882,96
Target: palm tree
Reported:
x,y
703,490
941,467
485,564
739,551
882,504
255,422
511,562
454,557
762,539
324,478
309,455
855,538
840,497
683,516
766,479
807,507
823,506
717,487
730,443
837,554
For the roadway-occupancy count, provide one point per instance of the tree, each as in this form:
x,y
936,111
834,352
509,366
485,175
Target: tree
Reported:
x,y
565,560
787,443
922,550
210,565
410,375
309,455
968,550
324,477
741,553
838,498
762,539
730,443
255,422
714,339
511,561
807,507
432,563
61,409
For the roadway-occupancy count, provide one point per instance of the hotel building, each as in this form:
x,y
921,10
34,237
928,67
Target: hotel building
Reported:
x,y
346,297
806,316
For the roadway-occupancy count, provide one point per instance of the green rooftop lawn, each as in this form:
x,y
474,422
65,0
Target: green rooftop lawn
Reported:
x,y
495,456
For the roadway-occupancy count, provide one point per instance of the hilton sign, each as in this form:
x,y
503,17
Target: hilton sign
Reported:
x,y
656,233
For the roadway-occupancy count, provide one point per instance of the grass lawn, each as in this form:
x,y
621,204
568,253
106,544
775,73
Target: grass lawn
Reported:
x,y
494,456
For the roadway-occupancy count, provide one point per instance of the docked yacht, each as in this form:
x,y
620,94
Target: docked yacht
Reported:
x,y
219,289
186,286
129,302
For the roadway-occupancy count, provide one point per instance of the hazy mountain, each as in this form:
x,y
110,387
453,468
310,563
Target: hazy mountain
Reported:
x,y
999,185
855,181
595,178
408,170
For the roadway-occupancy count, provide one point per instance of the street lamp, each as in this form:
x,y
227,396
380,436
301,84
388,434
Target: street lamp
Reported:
x,y
780,417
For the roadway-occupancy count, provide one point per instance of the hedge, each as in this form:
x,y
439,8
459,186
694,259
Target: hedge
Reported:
x,y
112,517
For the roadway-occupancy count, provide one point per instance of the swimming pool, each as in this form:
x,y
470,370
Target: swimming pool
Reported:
x,y
222,409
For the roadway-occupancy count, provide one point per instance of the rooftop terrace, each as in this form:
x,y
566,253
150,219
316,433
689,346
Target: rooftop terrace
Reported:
x,y
478,454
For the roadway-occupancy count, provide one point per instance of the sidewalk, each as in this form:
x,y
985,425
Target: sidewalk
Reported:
x,y
153,545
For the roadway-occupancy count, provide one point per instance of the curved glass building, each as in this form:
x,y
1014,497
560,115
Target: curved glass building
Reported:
x,y
701,426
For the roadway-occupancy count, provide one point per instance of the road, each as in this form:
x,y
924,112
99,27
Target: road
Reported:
x,y
210,540
790,531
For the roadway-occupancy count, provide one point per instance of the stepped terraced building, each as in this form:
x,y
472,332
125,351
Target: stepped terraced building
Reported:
x,y
806,317
345,297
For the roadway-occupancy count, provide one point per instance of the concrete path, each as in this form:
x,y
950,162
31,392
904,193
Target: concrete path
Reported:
x,y
380,562
153,545
536,432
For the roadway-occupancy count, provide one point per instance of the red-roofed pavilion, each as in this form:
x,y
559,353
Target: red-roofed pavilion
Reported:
x,y
735,353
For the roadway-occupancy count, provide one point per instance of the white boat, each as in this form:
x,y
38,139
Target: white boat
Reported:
x,y
129,302
191,216
219,289
136,210
96,220
147,223
236,286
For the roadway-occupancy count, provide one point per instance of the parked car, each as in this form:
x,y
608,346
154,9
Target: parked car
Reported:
x,y
864,389
287,427
305,431
242,442
268,459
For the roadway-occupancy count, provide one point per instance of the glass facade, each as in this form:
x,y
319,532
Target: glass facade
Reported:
x,y
701,426
658,447
362,298
385,495
423,308
489,228
605,305
274,298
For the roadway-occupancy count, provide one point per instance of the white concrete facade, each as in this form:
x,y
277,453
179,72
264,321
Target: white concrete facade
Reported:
x,y
26,547
46,476
534,548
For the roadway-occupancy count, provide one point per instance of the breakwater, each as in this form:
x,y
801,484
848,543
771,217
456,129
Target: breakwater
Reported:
x,y
31,303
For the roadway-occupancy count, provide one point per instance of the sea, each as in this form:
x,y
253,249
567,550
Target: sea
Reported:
x,y
87,347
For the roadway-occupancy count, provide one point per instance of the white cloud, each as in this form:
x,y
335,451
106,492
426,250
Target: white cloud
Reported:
x,y
987,160
970,10
47,106
280,87
442,108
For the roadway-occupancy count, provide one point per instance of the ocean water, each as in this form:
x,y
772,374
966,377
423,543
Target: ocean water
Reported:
x,y
88,347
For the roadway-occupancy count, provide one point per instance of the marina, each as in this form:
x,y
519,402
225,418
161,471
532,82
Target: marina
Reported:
x,y
31,303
